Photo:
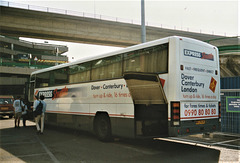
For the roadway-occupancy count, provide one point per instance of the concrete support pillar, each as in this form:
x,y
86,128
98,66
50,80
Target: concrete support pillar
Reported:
x,y
12,48
57,51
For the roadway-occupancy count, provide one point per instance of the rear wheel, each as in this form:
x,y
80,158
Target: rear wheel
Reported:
x,y
10,116
103,127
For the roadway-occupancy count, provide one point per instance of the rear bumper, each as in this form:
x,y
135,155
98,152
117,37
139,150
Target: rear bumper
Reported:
x,y
6,113
191,127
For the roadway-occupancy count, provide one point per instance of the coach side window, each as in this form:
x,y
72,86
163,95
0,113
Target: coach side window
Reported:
x,y
79,73
155,59
132,62
107,68
42,80
152,60
59,76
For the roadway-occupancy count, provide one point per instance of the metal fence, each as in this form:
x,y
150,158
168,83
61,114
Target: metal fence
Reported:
x,y
29,63
230,120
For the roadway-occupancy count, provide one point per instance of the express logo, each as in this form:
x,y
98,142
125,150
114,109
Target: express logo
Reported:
x,y
60,93
56,93
46,94
196,54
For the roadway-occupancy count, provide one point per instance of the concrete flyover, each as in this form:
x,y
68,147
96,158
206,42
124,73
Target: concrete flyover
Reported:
x,y
230,60
80,29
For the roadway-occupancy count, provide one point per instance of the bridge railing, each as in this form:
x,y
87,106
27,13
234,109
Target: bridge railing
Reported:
x,y
28,63
107,18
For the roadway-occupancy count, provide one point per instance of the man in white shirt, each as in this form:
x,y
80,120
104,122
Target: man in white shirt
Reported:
x,y
35,101
17,104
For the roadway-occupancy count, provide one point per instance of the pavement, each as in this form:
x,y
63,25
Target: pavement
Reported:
x,y
63,145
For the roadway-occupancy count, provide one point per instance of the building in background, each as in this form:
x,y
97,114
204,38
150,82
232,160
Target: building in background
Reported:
x,y
18,59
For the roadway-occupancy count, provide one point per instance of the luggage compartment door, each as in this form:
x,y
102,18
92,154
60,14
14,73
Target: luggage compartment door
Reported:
x,y
150,104
145,88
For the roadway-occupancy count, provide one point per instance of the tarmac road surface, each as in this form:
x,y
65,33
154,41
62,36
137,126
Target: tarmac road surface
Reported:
x,y
61,145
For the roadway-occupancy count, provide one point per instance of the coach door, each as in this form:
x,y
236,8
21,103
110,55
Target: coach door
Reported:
x,y
150,104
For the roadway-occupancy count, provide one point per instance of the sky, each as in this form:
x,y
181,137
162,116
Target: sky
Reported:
x,y
212,17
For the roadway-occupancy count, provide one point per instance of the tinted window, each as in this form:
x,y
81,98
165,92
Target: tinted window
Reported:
x,y
42,80
79,73
107,68
58,77
154,59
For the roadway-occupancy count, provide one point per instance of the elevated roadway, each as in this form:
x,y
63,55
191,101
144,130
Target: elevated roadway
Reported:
x,y
67,27
70,27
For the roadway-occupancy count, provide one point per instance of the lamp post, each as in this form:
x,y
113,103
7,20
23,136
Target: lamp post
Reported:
x,y
143,27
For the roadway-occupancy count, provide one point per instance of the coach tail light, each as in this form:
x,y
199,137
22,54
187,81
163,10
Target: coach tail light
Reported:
x,y
175,113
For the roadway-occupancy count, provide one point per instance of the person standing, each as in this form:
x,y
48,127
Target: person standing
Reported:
x,y
17,104
41,116
35,103
24,113
36,100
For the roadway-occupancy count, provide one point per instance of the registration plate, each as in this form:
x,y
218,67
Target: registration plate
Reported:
x,y
201,122
4,108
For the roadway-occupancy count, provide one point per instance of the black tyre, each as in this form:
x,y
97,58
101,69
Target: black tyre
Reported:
x,y
10,116
103,127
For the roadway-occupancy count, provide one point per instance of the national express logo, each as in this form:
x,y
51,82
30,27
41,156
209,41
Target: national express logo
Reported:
x,y
197,54
212,85
53,94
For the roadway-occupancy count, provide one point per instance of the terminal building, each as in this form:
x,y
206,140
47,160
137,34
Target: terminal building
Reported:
x,y
18,58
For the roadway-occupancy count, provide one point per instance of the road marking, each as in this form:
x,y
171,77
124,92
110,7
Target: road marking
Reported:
x,y
199,143
16,143
222,143
228,141
230,145
48,151
7,157
184,141
227,134
37,154
142,150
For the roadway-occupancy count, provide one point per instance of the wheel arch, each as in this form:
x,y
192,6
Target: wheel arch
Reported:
x,y
102,115
98,114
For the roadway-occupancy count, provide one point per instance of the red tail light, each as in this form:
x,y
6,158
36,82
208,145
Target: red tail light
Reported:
x,y
176,117
175,113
